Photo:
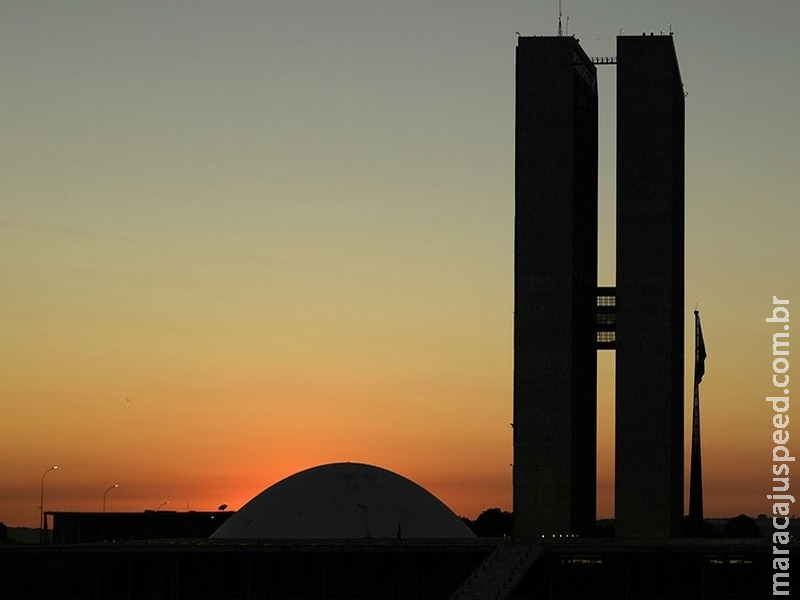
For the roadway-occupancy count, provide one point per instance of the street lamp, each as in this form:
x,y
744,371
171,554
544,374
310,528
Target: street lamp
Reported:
x,y
41,505
106,494
162,504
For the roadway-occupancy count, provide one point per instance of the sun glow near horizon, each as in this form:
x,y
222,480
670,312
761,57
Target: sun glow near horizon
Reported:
x,y
226,262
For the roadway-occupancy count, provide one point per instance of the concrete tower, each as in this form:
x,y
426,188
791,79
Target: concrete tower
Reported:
x,y
555,271
650,288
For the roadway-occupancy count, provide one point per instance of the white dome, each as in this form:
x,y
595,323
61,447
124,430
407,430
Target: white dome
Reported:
x,y
344,501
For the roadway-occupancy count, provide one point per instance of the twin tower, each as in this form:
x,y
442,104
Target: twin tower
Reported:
x,y
561,316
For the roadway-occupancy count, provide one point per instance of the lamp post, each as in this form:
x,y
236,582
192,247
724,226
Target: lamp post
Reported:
x,y
41,505
116,485
162,504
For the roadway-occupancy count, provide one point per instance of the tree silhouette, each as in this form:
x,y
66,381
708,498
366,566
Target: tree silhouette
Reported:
x,y
741,527
492,522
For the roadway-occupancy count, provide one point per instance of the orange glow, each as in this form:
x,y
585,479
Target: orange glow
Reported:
x,y
255,239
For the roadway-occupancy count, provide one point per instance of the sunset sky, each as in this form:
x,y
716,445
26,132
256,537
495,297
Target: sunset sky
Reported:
x,y
239,239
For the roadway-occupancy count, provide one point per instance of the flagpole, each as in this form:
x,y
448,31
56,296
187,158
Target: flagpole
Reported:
x,y
696,473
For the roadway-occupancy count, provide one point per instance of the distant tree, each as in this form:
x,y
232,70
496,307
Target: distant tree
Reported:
x,y
698,530
493,522
604,529
741,527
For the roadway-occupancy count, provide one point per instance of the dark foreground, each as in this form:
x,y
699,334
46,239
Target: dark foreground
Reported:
x,y
396,569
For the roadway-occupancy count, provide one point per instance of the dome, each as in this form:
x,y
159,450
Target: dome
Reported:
x,y
345,501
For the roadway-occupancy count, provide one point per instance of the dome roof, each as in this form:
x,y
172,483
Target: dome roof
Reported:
x,y
345,501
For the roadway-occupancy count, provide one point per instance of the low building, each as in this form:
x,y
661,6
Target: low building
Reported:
x,y
92,527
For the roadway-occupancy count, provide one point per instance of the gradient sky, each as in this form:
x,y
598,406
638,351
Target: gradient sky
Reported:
x,y
239,239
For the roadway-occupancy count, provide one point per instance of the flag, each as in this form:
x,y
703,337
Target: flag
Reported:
x,y
699,351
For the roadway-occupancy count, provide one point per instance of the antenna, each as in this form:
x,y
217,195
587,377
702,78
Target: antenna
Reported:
x,y
559,18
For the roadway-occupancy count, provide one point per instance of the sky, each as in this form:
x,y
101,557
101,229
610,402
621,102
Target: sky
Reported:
x,y
240,239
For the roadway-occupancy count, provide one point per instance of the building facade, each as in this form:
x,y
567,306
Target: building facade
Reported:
x,y
555,267
561,317
650,288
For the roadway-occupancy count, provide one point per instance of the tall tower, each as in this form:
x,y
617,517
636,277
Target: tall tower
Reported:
x,y
555,271
650,288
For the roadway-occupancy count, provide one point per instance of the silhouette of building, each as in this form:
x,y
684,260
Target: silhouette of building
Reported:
x,y
344,501
561,317
555,268
650,288
89,527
